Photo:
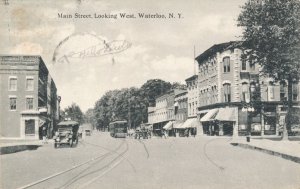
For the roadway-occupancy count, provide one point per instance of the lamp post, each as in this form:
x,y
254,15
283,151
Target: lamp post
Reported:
x,y
249,109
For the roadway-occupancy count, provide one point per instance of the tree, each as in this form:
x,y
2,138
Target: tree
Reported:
x,y
177,85
129,104
74,112
271,34
154,88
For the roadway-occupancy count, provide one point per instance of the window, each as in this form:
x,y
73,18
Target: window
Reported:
x,y
295,90
29,103
227,92
271,91
283,91
193,108
244,65
226,64
13,103
245,92
29,127
29,84
12,84
252,66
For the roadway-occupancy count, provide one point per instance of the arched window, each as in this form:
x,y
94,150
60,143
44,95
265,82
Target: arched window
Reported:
x,y
226,64
245,92
244,65
227,92
271,91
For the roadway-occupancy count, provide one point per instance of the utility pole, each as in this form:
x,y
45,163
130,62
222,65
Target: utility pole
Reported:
x,y
194,61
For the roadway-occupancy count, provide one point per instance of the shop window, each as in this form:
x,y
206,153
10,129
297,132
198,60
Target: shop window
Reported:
x,y
227,92
13,103
226,64
30,127
12,84
29,103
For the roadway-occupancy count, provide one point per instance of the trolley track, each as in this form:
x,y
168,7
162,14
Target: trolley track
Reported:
x,y
93,161
208,157
81,174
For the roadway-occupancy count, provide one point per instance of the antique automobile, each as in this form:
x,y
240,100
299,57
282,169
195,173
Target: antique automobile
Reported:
x,y
67,133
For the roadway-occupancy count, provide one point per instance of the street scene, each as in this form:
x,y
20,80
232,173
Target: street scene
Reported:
x,y
106,162
141,94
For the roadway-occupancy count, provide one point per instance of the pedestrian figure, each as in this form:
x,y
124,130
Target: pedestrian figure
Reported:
x,y
44,133
186,132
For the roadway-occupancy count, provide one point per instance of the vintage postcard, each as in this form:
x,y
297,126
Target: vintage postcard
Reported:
x,y
149,94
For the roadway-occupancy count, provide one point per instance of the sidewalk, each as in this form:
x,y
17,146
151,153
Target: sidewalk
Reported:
x,y
13,146
289,150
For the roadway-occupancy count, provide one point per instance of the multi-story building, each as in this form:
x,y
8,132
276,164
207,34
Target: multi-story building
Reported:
x,y
193,95
181,107
28,97
233,94
163,113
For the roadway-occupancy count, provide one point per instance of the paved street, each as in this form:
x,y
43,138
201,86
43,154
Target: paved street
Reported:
x,y
102,161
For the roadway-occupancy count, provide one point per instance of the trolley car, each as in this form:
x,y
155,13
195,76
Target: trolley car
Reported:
x,y
118,129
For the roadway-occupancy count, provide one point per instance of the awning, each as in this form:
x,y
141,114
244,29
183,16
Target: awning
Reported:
x,y
190,123
210,115
177,125
226,114
42,122
168,126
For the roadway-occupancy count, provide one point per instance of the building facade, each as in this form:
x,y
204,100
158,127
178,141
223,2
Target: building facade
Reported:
x,y
28,96
181,107
193,95
164,111
234,96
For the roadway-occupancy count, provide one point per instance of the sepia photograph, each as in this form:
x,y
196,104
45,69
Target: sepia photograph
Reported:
x,y
150,94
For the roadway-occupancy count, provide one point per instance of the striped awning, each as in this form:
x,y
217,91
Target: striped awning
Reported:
x,y
226,114
210,115
177,125
168,126
190,123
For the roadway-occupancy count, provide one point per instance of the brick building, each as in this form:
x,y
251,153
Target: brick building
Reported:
x,y
28,97
227,87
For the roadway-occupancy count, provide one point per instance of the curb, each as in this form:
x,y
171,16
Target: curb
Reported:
x,y
278,154
17,148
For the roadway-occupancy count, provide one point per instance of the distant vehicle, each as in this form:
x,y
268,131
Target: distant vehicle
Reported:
x,y
142,132
67,133
118,129
87,132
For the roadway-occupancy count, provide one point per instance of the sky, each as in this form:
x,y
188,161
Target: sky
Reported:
x,y
162,48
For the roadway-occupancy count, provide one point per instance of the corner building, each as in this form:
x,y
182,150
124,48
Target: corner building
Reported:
x,y
227,86
28,98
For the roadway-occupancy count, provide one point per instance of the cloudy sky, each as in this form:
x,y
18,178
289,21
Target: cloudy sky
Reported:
x,y
160,48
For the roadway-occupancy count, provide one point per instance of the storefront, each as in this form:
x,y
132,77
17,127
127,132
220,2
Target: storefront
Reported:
x,y
210,126
226,120
169,128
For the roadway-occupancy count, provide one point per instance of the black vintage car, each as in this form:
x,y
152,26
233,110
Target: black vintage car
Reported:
x,y
67,133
